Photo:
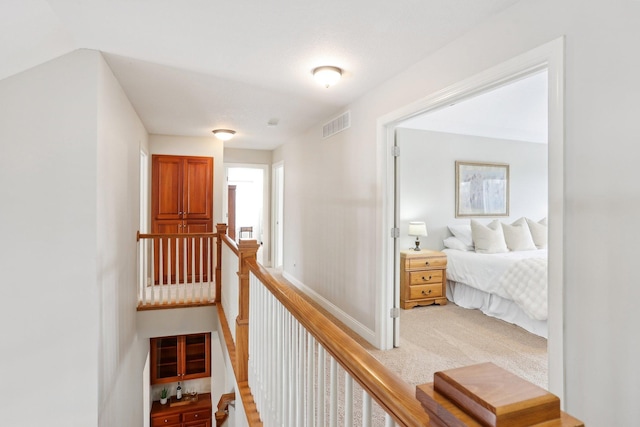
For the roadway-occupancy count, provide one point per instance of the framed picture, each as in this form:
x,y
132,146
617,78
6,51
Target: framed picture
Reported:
x,y
482,189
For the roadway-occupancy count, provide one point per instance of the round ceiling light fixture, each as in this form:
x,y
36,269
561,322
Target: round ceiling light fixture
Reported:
x,y
224,134
327,75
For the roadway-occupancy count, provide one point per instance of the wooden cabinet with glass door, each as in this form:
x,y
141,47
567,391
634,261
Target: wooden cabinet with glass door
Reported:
x,y
181,357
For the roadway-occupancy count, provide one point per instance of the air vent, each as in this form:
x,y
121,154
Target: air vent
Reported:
x,y
336,125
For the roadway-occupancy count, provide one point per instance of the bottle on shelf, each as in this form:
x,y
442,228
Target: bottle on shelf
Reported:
x,y
179,391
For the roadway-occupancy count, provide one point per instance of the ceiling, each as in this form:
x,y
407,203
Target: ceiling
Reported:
x,y
190,66
516,111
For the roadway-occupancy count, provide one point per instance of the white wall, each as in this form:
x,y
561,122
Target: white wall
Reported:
x,y
195,146
68,231
121,353
333,204
427,179
237,155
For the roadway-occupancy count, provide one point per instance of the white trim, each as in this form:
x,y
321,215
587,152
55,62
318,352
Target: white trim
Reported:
x,y
275,201
549,56
344,317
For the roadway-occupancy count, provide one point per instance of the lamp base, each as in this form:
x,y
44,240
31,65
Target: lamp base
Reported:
x,y
417,248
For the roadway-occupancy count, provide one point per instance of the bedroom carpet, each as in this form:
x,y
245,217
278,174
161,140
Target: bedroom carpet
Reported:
x,y
435,338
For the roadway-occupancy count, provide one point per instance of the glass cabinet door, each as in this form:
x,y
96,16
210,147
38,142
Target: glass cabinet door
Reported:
x,y
165,360
196,355
180,357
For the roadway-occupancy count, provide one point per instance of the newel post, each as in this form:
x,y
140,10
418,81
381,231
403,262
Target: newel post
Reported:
x,y
221,230
247,249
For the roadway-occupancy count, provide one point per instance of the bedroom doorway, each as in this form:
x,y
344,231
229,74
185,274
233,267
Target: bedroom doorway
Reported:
x,y
548,57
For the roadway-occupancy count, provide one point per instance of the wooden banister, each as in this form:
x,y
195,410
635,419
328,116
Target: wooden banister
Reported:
x,y
223,404
395,396
247,252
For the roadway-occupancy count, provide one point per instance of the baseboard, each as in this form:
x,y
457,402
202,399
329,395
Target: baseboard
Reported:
x,y
345,318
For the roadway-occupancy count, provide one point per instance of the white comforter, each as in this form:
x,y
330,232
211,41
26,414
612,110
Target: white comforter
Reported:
x,y
518,276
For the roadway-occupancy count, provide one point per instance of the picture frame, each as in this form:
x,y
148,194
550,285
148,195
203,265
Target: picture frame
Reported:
x,y
482,189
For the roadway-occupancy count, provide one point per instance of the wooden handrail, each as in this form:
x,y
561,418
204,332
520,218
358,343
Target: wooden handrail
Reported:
x,y
394,395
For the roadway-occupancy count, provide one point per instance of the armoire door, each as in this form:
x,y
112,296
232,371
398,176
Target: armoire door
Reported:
x,y
181,202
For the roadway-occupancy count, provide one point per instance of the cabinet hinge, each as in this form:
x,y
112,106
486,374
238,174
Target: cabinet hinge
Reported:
x,y
394,313
395,233
395,151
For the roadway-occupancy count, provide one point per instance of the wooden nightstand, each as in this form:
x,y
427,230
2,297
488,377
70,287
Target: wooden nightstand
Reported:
x,y
423,278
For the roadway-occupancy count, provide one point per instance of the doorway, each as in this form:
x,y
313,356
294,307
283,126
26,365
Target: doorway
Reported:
x,y
550,57
251,213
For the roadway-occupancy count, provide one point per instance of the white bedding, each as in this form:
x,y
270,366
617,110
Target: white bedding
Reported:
x,y
517,276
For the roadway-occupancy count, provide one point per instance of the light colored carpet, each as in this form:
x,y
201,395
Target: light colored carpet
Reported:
x,y
436,338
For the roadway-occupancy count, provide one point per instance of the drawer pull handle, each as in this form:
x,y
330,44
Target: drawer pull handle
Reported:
x,y
166,420
426,263
426,293
196,416
423,278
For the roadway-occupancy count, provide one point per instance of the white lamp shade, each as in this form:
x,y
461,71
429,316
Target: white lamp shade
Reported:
x,y
224,134
417,228
327,75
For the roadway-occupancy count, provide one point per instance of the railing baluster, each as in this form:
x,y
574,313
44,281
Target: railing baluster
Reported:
x,y
333,393
366,409
388,421
201,271
348,400
310,371
162,296
321,387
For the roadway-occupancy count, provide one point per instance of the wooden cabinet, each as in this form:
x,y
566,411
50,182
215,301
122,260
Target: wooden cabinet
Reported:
x,y
181,357
182,188
181,202
423,278
196,414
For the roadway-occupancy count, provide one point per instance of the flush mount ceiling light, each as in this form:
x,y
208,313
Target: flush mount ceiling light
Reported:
x,y
224,134
327,75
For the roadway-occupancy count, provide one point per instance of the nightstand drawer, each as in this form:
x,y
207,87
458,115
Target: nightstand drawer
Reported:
x,y
414,263
424,277
425,291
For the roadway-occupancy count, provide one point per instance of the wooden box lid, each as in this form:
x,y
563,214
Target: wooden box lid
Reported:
x,y
496,397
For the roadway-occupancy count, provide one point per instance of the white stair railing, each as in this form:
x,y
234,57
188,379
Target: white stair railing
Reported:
x,y
294,379
176,269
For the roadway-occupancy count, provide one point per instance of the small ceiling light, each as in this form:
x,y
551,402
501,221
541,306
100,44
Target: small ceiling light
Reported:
x,y
327,75
224,134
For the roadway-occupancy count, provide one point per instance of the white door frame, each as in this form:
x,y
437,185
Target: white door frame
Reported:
x,y
277,220
549,56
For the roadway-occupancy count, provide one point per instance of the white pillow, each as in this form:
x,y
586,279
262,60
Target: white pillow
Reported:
x,y
517,236
453,242
462,232
488,239
538,232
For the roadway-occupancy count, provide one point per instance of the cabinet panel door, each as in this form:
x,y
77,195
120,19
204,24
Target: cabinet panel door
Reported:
x,y
197,360
167,187
165,359
197,184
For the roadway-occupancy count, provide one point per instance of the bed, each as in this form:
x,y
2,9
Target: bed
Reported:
x,y
507,282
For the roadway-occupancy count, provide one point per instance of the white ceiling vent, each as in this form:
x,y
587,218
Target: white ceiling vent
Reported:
x,y
336,125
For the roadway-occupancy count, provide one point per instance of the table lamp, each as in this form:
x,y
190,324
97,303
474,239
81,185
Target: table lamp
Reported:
x,y
417,228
